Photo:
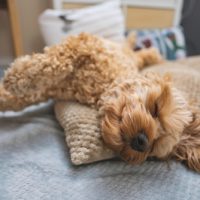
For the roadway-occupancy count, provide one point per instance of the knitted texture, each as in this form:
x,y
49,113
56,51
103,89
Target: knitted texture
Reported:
x,y
185,78
81,123
83,137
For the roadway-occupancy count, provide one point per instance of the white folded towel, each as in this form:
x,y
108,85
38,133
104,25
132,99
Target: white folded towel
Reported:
x,y
105,19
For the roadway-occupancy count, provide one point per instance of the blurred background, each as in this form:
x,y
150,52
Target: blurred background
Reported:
x,y
26,26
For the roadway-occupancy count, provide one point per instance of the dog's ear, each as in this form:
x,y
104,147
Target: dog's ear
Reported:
x,y
159,103
165,98
164,101
188,149
111,117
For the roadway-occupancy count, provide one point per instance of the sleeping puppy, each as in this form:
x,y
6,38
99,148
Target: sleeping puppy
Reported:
x,y
141,115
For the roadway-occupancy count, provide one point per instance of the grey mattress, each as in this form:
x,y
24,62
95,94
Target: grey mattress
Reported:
x,y
35,164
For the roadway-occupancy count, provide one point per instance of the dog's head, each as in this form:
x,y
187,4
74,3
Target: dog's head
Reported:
x,y
138,112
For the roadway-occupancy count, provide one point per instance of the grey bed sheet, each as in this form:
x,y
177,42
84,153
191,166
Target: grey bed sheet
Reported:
x,y
35,164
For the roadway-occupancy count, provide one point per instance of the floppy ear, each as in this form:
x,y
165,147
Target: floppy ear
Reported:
x,y
110,124
159,102
188,149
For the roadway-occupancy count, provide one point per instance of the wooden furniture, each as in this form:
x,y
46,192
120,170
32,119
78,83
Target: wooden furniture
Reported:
x,y
138,13
15,27
23,16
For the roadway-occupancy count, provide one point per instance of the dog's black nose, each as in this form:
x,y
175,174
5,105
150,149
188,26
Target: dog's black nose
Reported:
x,y
140,142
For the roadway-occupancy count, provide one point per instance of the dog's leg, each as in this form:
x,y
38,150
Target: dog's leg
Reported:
x,y
164,146
38,72
148,57
9,102
47,71
188,149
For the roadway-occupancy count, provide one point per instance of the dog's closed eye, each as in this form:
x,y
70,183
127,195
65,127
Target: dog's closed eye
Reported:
x,y
154,110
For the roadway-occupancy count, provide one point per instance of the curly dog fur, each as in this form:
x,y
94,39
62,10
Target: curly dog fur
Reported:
x,y
141,115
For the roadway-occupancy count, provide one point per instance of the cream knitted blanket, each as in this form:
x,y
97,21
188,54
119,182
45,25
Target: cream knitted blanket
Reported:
x,y
81,123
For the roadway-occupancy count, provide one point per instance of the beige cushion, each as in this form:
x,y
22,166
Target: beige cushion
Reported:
x,y
81,123
83,137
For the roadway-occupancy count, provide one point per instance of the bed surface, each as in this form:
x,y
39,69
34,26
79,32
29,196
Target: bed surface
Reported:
x,y
35,164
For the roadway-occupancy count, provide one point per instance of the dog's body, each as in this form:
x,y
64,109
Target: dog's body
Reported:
x,y
141,115
81,68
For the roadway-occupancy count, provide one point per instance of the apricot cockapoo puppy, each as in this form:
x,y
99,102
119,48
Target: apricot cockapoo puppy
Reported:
x,y
141,115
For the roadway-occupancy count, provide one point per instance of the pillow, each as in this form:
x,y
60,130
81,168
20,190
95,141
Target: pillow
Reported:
x,y
82,131
169,41
105,19
82,126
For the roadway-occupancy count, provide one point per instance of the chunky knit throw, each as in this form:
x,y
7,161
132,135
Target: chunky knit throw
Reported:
x,y
82,126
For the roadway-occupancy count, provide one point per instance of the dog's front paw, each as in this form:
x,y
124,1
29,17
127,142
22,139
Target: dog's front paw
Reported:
x,y
163,146
17,78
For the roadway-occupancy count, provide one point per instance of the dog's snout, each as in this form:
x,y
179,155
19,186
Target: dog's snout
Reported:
x,y
140,142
